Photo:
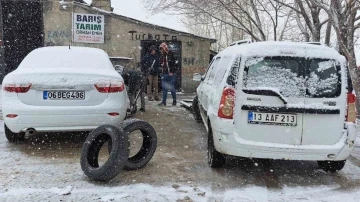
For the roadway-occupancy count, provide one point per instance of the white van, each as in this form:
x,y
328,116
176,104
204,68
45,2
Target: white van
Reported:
x,y
278,100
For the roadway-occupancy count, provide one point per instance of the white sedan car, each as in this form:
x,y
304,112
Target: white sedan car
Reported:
x,y
58,89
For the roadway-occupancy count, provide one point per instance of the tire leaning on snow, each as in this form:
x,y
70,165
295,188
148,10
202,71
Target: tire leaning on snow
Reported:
x,y
117,158
148,147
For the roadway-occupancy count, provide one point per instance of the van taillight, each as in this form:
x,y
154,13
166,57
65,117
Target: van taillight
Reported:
x,y
113,87
226,108
17,88
351,108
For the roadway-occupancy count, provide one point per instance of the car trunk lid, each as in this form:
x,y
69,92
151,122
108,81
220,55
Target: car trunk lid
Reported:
x,y
64,87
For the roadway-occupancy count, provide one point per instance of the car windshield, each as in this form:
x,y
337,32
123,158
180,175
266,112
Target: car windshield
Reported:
x,y
294,77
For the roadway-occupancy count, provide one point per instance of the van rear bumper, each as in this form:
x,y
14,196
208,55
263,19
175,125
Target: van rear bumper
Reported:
x,y
229,142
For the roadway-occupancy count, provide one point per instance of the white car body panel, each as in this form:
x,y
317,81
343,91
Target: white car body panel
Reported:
x,y
315,137
36,112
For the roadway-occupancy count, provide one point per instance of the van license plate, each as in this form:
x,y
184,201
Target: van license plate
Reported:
x,y
272,119
64,95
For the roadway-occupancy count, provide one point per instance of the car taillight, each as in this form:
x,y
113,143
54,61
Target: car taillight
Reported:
x,y
112,87
351,108
226,108
113,114
17,88
11,116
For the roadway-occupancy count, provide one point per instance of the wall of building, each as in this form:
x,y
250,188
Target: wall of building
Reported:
x,y
123,38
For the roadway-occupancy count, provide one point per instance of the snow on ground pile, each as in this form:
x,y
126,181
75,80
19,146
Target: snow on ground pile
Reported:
x,y
145,192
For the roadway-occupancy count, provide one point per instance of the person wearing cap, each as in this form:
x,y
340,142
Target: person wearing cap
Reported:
x,y
168,66
150,66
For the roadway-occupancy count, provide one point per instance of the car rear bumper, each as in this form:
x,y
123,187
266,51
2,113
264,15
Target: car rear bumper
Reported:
x,y
229,142
53,123
63,118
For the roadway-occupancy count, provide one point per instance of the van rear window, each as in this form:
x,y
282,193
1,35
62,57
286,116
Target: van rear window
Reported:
x,y
294,77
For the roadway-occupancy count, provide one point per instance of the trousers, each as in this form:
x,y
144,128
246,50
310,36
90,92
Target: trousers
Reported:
x,y
167,84
153,85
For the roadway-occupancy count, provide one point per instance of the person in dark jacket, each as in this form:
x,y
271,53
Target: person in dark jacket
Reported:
x,y
150,67
168,66
135,82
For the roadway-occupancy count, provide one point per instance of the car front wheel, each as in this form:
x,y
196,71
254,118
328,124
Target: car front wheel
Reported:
x,y
196,110
215,158
13,137
331,166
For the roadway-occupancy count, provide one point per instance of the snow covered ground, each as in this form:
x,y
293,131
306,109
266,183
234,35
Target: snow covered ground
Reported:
x,y
146,192
46,167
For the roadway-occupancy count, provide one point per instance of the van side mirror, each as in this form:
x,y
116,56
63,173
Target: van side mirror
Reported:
x,y
198,77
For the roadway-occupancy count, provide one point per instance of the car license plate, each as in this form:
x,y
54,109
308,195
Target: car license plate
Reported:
x,y
272,119
64,95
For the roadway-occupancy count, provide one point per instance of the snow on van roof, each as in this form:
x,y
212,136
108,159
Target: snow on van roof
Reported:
x,y
281,48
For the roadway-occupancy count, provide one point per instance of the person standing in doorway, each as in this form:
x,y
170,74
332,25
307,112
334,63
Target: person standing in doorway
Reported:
x,y
168,66
150,66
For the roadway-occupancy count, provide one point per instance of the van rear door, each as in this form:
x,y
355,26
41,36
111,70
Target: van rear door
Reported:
x,y
265,109
327,97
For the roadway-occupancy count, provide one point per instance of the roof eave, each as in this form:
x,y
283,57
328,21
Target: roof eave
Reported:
x,y
97,10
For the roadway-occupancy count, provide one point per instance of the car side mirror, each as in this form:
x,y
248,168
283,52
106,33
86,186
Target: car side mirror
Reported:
x,y
198,77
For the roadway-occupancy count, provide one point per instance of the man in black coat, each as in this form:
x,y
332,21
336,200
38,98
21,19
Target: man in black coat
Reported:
x,y
168,65
136,83
150,67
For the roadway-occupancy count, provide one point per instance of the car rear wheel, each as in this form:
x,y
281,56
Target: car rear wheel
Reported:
x,y
196,110
331,166
215,158
13,137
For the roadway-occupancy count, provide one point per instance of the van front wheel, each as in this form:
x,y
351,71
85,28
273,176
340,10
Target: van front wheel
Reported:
x,y
215,158
331,166
196,110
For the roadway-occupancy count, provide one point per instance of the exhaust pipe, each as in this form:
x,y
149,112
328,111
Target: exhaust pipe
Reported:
x,y
31,131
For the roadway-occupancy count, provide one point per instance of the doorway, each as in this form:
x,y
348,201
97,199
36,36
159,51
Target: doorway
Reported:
x,y
22,31
176,48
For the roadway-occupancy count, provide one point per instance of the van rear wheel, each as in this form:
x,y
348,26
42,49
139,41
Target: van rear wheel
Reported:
x,y
215,158
331,166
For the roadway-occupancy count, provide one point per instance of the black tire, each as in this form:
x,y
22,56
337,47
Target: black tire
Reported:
x,y
215,158
117,158
148,147
331,166
13,137
196,110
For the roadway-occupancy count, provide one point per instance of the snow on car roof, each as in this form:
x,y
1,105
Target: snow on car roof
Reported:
x,y
65,57
277,48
